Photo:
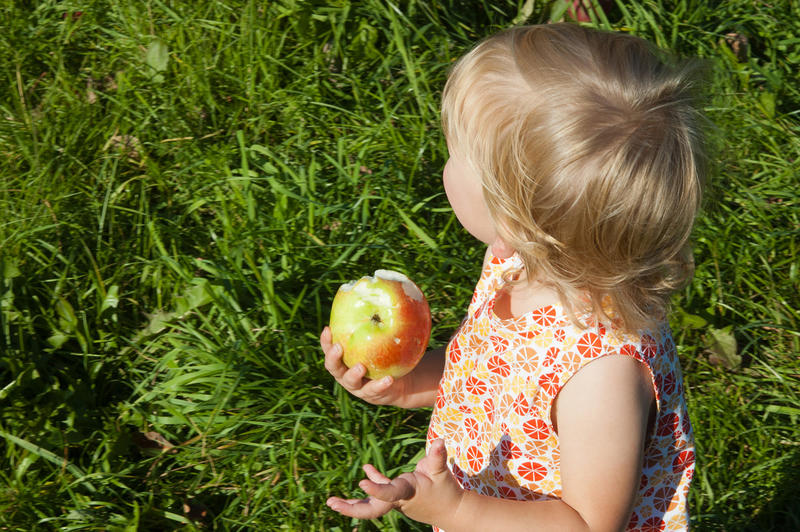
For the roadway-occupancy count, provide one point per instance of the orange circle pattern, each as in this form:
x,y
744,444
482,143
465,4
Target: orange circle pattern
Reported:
x,y
500,378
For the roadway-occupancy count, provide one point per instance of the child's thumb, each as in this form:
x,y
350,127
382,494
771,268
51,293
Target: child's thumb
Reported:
x,y
437,454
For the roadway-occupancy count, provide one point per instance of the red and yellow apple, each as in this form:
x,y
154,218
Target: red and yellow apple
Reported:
x,y
383,322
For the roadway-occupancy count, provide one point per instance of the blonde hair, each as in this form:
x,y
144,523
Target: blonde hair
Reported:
x,y
591,159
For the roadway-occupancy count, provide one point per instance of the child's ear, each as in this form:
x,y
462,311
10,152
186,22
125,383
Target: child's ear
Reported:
x,y
501,249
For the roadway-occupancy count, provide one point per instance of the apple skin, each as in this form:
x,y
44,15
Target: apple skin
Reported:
x,y
383,322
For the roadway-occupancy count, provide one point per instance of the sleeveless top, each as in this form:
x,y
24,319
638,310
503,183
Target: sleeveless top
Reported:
x,y
500,379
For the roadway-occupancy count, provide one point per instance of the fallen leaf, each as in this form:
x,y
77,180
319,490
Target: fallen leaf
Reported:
x,y
723,347
157,58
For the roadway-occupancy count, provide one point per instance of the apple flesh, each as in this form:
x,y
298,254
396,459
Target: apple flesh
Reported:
x,y
383,322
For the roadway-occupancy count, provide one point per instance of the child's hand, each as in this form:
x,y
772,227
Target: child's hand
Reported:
x,y
424,495
385,391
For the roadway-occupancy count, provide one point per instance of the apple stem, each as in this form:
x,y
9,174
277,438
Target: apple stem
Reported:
x,y
375,318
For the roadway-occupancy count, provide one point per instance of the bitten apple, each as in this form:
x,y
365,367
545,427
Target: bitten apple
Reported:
x,y
383,322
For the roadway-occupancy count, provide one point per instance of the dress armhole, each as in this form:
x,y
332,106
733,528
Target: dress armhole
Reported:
x,y
549,402
652,417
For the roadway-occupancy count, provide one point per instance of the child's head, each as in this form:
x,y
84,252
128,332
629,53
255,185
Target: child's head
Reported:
x,y
590,157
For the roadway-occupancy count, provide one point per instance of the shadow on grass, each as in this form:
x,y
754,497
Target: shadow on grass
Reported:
x,y
782,511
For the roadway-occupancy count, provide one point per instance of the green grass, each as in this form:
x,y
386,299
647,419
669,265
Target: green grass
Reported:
x,y
185,184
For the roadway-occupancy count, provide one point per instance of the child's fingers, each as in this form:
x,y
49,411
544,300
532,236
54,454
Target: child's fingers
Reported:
x,y
326,340
397,490
353,378
435,460
360,508
350,378
325,337
333,362
333,500
374,475
376,388
333,355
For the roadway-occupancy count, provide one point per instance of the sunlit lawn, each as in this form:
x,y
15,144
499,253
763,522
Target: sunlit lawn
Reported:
x,y
184,186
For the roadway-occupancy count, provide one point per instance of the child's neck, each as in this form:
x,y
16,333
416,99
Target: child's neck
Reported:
x,y
520,298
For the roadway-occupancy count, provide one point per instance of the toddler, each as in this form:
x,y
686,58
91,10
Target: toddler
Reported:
x,y
558,404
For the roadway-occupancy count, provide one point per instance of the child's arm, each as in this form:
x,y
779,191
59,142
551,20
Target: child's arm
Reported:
x,y
413,390
602,422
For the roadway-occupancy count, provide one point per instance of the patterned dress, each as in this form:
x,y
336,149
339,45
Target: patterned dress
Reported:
x,y
500,379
